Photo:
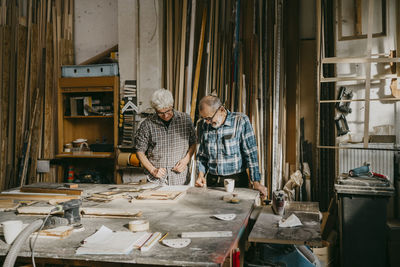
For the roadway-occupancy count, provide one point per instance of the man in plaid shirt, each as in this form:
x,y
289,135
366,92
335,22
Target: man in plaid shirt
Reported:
x,y
165,142
227,147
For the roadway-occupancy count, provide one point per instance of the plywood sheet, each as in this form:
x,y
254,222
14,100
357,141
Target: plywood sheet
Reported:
x,y
110,212
8,204
34,209
159,197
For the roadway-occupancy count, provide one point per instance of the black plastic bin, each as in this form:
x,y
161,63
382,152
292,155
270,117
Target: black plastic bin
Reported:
x,y
362,205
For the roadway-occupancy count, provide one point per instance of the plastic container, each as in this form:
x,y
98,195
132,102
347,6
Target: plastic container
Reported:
x,y
98,70
362,205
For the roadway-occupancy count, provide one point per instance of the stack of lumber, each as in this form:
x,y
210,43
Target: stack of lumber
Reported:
x,y
229,49
36,39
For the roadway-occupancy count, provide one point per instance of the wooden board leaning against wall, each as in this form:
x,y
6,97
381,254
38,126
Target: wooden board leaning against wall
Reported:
x,y
38,35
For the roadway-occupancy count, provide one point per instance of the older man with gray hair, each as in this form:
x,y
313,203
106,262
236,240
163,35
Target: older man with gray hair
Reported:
x,y
165,141
228,147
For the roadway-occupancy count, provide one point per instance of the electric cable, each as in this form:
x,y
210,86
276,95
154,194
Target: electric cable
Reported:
x,y
37,235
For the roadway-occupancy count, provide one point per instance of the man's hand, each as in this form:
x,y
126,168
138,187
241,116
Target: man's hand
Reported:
x,y
201,181
181,165
261,188
159,173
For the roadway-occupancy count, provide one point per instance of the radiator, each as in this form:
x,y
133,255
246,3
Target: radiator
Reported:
x,y
382,161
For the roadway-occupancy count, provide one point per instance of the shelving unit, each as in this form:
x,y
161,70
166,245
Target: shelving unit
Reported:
x,y
94,128
368,59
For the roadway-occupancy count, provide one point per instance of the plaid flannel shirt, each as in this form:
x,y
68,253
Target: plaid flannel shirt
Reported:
x,y
165,145
229,149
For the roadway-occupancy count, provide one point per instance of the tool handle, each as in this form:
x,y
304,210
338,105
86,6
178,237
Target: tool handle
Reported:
x,y
379,175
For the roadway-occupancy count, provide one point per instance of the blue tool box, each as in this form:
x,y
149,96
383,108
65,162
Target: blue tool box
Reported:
x,y
98,70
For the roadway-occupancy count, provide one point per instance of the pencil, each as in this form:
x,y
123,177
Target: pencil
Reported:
x,y
164,236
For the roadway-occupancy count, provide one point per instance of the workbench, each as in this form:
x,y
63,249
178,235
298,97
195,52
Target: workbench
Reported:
x,y
266,229
192,213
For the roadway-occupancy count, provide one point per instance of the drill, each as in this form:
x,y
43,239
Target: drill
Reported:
x,y
361,171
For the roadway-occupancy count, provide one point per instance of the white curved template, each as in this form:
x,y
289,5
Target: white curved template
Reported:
x,y
177,243
225,217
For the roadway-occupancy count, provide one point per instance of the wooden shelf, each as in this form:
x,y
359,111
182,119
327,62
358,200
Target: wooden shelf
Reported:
x,y
360,100
91,128
88,117
86,90
357,60
357,78
89,154
107,81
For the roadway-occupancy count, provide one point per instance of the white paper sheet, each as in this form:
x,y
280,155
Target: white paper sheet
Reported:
x,y
291,221
105,241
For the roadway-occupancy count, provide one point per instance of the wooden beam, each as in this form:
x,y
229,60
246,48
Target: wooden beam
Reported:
x,y
20,94
198,65
398,40
4,100
356,60
356,78
49,111
358,17
99,56
190,58
28,141
368,72
182,57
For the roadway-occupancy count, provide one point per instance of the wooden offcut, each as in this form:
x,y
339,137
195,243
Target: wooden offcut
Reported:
x,y
159,197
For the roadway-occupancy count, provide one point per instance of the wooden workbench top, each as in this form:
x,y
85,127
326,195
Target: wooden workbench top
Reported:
x,y
192,213
266,229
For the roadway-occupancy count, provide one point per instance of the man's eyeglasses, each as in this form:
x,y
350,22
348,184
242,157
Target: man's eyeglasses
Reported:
x,y
209,119
169,111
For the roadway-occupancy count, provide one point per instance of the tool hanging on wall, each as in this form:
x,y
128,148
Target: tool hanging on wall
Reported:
x,y
128,111
344,94
341,125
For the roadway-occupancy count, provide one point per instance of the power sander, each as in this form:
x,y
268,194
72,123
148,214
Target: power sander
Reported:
x,y
71,215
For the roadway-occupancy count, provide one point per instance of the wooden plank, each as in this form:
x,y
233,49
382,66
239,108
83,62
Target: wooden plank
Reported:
x,y
170,64
198,66
215,46
37,197
358,17
49,110
65,191
398,39
38,121
107,81
359,100
190,58
20,94
27,68
96,58
12,91
8,205
368,72
159,197
358,60
177,47
114,212
182,57
209,48
33,84
5,101
28,141
357,78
